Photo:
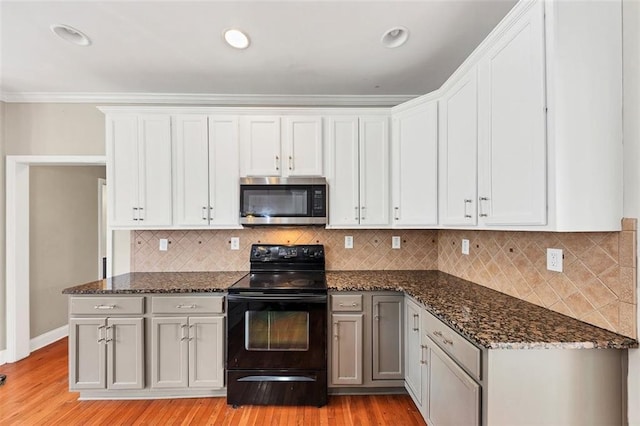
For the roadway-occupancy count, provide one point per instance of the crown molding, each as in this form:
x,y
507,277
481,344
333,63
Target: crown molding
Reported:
x,y
208,99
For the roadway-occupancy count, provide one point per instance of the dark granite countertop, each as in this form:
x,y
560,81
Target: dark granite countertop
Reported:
x,y
486,317
160,282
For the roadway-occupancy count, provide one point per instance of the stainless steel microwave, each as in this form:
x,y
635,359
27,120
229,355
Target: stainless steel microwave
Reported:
x,y
283,201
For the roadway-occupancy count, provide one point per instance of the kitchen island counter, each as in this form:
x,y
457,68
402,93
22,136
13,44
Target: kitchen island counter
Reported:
x,y
486,317
160,282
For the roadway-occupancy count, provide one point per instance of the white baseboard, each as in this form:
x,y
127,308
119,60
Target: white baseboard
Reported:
x,y
3,357
48,338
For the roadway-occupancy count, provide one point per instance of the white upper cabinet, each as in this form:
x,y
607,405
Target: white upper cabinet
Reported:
x,y
207,170
139,170
261,153
458,160
267,150
359,178
512,129
414,166
303,146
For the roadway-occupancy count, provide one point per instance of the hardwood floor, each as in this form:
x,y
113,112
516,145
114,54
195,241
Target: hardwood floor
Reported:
x,y
36,393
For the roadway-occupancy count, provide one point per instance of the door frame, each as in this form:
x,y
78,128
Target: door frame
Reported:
x,y
17,243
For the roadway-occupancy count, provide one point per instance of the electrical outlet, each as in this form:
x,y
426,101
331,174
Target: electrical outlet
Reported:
x,y
395,242
554,259
235,243
465,246
164,244
348,242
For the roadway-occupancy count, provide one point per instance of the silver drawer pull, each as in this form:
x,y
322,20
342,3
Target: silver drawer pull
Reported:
x,y
181,306
104,307
447,342
353,305
437,333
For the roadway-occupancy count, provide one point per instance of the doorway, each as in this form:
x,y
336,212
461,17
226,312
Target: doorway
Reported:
x,y
17,245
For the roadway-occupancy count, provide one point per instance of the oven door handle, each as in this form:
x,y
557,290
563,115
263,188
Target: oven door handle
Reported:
x,y
258,297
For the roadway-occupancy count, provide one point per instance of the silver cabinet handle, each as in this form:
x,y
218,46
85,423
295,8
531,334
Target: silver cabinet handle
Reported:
x,y
140,213
357,212
135,213
277,163
100,334
481,199
204,213
377,315
183,336
467,215
396,213
210,212
109,330
335,330
422,348
104,307
447,341
362,212
415,326
181,306
192,335
290,163
437,333
353,305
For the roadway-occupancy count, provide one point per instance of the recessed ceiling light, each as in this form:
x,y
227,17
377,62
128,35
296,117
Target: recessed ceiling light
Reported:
x,y
395,37
70,34
236,38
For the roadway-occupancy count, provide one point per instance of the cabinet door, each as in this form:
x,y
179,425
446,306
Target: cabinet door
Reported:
x,y
191,201
154,189
122,169
374,171
303,141
224,175
169,352
346,349
413,350
458,152
87,355
206,352
454,398
344,202
512,130
387,338
415,166
125,353
261,154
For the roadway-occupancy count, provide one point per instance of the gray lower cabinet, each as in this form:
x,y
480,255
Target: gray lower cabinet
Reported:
x,y
346,349
186,352
366,343
388,337
106,353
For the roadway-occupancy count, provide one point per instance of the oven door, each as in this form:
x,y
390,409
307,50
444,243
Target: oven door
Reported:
x,y
277,332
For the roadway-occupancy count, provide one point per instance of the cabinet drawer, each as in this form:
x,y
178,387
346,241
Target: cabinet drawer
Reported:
x,y
463,351
346,302
187,304
104,305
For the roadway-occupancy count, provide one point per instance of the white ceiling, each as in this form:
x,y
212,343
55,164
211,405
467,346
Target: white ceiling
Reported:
x,y
301,48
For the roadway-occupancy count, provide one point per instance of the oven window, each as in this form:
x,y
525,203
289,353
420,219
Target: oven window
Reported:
x,y
277,331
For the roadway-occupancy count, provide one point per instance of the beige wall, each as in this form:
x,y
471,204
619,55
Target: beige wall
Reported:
x,y
54,129
3,288
63,239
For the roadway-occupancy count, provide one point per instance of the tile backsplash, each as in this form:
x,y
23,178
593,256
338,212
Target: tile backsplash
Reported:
x,y
209,250
597,285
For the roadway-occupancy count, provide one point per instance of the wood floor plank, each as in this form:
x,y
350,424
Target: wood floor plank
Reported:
x,y
37,393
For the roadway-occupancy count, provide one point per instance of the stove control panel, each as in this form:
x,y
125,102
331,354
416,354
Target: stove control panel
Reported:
x,y
286,253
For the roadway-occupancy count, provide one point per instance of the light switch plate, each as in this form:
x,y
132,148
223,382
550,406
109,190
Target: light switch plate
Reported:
x,y
348,242
395,242
235,243
465,246
554,259
164,244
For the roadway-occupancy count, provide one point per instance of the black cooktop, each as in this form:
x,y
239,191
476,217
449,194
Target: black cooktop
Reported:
x,y
284,269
